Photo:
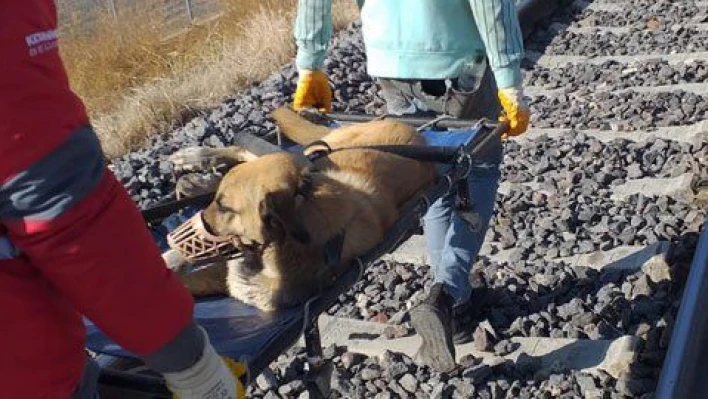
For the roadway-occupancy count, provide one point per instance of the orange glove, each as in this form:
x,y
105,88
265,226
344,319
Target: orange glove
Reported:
x,y
516,112
313,91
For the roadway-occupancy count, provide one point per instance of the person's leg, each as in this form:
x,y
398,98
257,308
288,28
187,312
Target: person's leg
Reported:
x,y
436,224
454,272
404,98
397,96
445,318
453,243
462,242
88,387
480,102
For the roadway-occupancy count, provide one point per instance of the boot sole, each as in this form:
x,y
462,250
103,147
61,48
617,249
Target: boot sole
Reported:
x,y
434,351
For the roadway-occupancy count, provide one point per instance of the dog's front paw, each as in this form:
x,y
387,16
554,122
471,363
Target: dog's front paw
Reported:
x,y
174,261
194,159
195,184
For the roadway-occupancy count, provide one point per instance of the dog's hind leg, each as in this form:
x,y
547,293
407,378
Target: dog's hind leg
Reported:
x,y
297,128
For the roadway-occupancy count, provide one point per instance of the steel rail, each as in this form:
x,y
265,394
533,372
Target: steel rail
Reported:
x,y
682,372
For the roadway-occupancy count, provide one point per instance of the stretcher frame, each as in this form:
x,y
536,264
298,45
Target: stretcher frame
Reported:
x,y
121,377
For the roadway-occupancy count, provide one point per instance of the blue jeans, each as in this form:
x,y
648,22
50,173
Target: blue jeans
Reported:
x,y
452,244
88,386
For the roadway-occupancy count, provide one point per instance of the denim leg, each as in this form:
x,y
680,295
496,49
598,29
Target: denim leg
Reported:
x,y
88,386
459,246
436,224
452,247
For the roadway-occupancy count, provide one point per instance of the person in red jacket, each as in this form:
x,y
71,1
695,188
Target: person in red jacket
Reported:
x,y
73,244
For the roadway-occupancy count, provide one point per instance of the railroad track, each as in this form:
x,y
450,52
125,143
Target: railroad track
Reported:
x,y
597,221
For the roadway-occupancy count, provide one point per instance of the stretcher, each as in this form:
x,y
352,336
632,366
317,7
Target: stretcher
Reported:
x,y
257,338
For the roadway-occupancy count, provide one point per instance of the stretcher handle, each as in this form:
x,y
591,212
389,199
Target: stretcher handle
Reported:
x,y
415,121
165,209
483,139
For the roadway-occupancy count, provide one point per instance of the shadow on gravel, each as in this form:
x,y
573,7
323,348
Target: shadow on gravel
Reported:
x,y
584,303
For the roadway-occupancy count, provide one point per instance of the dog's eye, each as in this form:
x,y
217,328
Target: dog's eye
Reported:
x,y
225,209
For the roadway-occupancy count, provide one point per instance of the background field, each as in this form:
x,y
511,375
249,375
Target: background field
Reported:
x,y
144,67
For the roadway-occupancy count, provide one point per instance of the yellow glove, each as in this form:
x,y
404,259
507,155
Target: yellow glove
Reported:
x,y
238,370
313,91
516,112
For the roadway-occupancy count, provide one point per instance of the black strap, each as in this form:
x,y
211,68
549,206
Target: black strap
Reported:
x,y
332,256
165,209
317,154
464,206
463,196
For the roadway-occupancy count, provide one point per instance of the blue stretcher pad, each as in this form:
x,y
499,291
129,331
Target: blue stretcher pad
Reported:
x,y
243,332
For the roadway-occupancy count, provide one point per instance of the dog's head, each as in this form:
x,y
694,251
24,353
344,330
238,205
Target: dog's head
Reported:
x,y
257,201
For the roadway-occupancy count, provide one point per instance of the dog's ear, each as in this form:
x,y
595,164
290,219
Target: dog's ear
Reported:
x,y
278,212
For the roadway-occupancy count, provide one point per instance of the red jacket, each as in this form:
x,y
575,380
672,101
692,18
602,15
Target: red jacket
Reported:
x,y
38,110
83,247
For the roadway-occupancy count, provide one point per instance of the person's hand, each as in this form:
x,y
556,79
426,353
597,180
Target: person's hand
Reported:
x,y
212,377
516,112
313,91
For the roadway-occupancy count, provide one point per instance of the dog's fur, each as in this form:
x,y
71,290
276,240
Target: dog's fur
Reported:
x,y
278,202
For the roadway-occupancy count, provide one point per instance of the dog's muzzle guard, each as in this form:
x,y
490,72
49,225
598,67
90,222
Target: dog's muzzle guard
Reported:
x,y
193,241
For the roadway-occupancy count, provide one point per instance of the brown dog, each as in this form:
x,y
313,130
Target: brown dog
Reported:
x,y
285,211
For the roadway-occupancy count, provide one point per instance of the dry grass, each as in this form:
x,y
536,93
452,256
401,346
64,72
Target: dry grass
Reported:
x,y
135,84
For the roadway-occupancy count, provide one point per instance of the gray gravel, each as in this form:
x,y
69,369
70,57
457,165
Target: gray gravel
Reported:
x,y
677,39
625,111
639,14
613,74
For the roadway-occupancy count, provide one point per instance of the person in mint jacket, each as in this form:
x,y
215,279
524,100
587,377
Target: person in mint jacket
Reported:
x,y
432,57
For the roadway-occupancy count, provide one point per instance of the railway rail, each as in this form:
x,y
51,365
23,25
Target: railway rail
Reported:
x,y
595,261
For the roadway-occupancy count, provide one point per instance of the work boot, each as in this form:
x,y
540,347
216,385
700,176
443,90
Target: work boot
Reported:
x,y
466,315
463,322
432,321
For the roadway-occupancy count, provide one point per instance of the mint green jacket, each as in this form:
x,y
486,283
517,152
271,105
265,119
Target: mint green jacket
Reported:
x,y
421,39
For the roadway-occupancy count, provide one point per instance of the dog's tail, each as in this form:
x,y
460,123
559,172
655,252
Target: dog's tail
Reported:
x,y
297,128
